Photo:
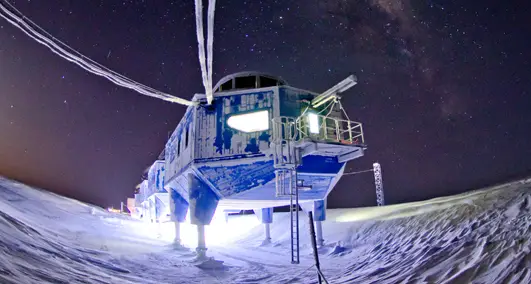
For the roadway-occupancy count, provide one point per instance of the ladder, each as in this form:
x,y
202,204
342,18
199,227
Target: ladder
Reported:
x,y
294,217
285,162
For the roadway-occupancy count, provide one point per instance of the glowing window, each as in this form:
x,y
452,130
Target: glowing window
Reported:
x,y
250,122
313,120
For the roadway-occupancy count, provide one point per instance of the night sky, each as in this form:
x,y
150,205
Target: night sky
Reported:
x,y
444,88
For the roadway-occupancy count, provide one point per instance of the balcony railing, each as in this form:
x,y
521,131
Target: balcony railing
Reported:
x,y
317,127
329,129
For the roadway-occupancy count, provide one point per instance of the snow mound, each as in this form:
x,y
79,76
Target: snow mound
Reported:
x,y
478,237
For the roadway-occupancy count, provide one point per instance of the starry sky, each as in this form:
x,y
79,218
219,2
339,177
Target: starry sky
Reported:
x,y
444,88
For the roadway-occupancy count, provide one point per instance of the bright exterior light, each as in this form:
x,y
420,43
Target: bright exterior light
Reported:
x,y
250,122
313,120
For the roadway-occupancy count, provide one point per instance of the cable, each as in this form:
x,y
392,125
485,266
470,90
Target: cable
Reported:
x,y
201,43
210,46
34,31
205,61
359,172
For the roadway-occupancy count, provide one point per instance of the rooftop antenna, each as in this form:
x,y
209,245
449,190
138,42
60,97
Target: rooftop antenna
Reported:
x,y
332,93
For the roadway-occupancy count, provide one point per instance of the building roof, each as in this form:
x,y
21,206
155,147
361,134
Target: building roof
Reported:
x,y
245,74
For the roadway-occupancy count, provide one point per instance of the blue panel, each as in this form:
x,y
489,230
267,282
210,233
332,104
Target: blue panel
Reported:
x,y
179,207
319,188
230,180
267,215
156,178
203,201
319,210
320,164
176,159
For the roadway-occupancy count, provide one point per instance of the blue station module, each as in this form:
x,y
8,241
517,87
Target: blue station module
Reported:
x,y
259,143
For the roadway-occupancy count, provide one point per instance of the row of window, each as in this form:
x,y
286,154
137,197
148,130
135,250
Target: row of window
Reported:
x,y
186,142
248,82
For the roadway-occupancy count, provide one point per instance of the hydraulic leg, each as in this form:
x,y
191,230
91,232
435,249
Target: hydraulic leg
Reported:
x,y
203,203
178,210
265,215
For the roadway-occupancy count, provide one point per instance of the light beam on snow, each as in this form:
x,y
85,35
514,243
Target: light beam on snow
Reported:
x,y
16,18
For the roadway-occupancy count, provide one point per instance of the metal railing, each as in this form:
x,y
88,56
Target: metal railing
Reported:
x,y
329,129
284,135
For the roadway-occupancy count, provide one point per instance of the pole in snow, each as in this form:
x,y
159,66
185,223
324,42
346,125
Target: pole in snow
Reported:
x,y
379,184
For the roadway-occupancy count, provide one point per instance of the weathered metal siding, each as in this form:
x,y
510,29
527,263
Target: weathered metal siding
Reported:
x,y
216,139
156,177
179,148
237,178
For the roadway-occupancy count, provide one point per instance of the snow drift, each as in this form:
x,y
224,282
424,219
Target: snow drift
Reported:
x,y
478,237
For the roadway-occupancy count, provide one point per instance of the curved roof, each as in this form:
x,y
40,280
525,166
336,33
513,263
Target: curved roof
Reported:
x,y
248,74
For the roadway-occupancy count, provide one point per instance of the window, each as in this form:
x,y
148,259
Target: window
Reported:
x,y
250,122
226,86
267,82
179,147
248,82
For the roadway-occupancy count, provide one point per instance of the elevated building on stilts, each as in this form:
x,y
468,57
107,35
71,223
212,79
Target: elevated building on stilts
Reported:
x,y
260,144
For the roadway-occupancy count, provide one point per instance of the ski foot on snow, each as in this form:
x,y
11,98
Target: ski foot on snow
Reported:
x,y
208,263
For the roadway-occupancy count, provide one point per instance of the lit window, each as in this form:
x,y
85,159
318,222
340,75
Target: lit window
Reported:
x,y
250,122
313,120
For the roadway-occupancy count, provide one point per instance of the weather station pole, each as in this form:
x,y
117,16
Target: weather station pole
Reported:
x,y
379,184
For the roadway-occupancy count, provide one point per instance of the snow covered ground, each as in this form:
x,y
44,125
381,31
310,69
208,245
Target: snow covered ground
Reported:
x,y
478,237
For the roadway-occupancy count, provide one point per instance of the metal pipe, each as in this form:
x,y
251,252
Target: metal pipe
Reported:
x,y
201,243
267,229
177,239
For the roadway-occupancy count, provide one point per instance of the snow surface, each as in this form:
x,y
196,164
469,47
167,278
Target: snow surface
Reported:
x,y
478,237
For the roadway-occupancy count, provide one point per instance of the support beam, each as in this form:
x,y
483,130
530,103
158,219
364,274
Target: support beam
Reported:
x,y
178,210
265,215
201,243
318,207
319,216
319,233
267,230
203,203
177,240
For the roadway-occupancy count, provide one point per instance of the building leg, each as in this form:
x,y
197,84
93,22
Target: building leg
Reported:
x,y
201,243
203,203
319,233
178,209
265,215
267,229
319,215
318,207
